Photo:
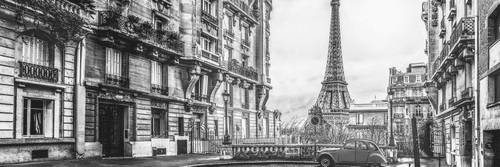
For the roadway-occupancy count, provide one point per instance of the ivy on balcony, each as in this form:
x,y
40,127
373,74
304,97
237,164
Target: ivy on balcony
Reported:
x,y
137,28
63,18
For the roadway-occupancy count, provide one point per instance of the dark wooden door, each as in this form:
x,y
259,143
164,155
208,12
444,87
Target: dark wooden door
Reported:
x,y
496,148
111,130
181,147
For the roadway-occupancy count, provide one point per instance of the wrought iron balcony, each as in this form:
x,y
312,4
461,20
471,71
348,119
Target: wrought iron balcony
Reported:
x,y
136,29
464,32
246,42
38,72
451,101
119,81
209,18
467,93
249,72
229,33
158,89
199,97
242,7
210,56
442,107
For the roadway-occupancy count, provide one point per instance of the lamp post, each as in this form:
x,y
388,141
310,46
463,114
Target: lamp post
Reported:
x,y
227,138
392,144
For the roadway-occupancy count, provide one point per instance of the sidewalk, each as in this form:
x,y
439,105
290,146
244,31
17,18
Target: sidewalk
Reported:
x,y
424,162
186,160
166,161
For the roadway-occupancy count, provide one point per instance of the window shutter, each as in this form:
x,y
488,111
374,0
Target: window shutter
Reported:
x,y
124,65
164,73
205,85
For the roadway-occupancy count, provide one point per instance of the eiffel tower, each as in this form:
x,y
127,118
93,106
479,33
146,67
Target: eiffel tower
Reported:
x,y
334,100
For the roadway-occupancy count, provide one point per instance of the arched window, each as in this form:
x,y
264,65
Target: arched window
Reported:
x,y
37,49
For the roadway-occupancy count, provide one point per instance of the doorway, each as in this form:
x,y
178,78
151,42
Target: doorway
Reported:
x,y
111,130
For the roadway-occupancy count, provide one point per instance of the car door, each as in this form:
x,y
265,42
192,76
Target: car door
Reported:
x,y
362,152
348,152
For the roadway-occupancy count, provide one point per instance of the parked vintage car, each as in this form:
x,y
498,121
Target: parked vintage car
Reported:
x,y
354,151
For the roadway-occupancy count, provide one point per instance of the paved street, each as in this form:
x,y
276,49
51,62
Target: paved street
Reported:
x,y
194,160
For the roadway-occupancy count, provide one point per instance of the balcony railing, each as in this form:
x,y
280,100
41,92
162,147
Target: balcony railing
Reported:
x,y
158,89
442,107
38,72
451,101
120,81
210,56
467,93
199,97
229,33
243,8
135,28
209,17
246,42
463,32
268,80
249,72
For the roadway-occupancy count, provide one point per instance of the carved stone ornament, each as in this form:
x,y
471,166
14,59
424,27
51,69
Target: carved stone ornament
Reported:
x,y
138,48
174,61
212,108
198,109
158,104
251,86
236,81
116,96
259,114
189,105
154,53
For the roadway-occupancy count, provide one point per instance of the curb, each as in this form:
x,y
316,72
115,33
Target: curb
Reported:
x,y
253,163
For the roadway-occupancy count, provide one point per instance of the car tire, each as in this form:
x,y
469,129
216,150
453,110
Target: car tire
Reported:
x,y
326,161
374,165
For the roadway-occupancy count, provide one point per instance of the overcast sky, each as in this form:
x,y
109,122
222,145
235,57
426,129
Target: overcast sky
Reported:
x,y
376,35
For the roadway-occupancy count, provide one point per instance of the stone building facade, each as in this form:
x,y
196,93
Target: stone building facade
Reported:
x,y
409,100
146,79
451,25
369,121
486,140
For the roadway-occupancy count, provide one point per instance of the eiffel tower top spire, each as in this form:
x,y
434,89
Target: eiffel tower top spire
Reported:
x,y
334,96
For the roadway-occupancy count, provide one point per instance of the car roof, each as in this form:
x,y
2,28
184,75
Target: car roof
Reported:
x,y
365,140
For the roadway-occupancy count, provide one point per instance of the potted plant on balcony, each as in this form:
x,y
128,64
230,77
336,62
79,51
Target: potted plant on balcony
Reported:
x,y
161,36
131,24
145,30
112,17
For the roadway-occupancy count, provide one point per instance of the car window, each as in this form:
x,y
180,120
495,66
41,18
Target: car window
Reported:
x,y
361,145
350,145
373,147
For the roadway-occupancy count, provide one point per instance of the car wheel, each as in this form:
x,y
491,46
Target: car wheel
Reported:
x,y
374,165
325,161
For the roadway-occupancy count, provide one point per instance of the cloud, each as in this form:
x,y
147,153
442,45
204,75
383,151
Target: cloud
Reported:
x,y
376,35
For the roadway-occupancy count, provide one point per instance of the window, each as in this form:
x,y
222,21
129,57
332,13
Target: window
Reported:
x,y
207,45
419,78
207,7
159,25
494,26
350,145
244,128
113,62
361,146
407,79
180,125
34,116
156,73
231,92
228,23
496,82
200,88
373,146
418,111
245,35
266,127
36,50
359,119
228,53
158,125
244,60
216,127
394,80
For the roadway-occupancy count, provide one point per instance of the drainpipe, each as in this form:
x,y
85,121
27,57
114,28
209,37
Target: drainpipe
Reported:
x,y
477,116
79,100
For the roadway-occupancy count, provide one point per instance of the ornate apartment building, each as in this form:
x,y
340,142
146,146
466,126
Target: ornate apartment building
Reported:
x,y
141,78
451,46
409,100
369,121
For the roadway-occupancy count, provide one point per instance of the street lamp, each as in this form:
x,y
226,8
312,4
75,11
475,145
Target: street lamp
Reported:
x,y
227,138
392,144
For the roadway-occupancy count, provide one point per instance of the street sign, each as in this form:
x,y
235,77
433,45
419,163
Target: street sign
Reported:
x,y
315,120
